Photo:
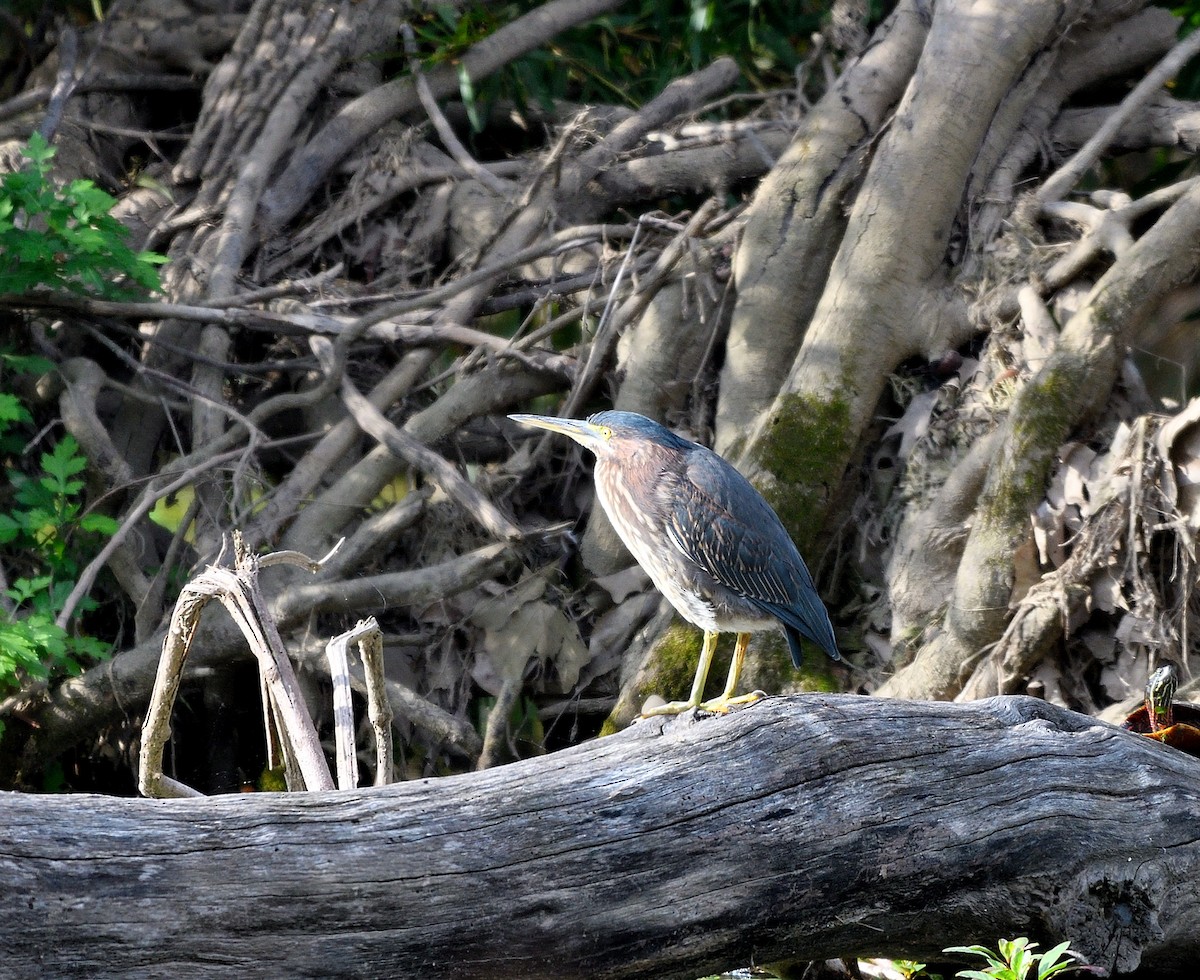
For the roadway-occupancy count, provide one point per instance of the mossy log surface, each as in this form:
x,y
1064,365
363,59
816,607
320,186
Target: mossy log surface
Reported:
x,y
802,827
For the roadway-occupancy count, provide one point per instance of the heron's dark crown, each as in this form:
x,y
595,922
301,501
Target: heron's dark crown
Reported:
x,y
630,425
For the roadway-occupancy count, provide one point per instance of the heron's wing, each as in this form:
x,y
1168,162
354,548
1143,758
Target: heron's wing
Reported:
x,y
719,521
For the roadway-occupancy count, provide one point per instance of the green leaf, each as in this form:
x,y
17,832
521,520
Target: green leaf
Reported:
x,y
27,363
973,950
467,91
75,243
64,459
38,150
1049,964
11,410
100,524
36,519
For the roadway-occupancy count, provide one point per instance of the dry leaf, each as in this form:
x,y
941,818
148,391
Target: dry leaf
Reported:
x,y
519,627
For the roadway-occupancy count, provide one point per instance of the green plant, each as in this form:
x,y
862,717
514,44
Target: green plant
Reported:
x,y
1015,960
64,237
44,535
626,57
909,969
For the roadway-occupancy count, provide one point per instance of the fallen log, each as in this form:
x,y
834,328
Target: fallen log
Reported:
x,y
804,827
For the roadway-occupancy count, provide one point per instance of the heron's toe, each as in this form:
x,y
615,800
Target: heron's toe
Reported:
x,y
723,704
656,706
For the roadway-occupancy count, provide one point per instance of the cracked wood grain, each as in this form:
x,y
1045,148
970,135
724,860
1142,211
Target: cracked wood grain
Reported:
x,y
801,827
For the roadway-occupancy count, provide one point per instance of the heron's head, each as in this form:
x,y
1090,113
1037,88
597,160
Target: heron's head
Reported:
x,y
612,435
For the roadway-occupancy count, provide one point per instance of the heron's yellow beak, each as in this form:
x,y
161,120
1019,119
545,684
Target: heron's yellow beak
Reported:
x,y
583,432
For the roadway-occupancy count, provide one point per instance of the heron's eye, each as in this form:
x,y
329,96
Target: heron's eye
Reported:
x,y
605,433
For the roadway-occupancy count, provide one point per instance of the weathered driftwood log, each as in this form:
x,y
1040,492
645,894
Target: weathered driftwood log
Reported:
x,y
803,827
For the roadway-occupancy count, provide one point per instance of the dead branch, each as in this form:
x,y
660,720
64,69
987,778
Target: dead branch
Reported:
x,y
365,115
323,41
367,635
237,589
373,422
1060,184
83,704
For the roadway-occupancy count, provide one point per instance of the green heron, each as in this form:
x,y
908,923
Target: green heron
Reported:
x,y
709,541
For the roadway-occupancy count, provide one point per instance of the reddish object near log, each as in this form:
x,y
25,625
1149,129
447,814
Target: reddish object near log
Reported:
x,y
1173,723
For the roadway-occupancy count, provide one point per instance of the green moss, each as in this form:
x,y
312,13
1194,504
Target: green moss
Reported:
x,y
773,671
674,662
272,780
669,673
676,653
806,450
1041,419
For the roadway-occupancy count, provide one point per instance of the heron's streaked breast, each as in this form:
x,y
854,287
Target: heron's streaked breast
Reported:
x,y
694,593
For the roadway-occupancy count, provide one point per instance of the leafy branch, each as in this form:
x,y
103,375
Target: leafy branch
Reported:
x,y
44,533
64,237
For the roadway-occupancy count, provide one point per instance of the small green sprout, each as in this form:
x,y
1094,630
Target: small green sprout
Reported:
x,y
1017,961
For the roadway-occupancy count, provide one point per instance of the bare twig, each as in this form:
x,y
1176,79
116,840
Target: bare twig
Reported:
x,y
286,499
64,84
440,726
379,708
347,330
495,735
1108,226
1061,183
150,496
445,133
370,644
288,287
411,587
376,424
606,336
299,559
344,753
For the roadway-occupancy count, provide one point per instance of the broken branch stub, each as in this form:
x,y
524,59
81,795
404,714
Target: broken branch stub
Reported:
x,y
369,637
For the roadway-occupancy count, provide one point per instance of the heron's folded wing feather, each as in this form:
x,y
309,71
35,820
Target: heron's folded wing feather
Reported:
x,y
720,522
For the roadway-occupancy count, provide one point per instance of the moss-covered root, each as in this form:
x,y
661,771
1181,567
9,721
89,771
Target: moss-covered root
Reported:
x,y
1072,383
799,459
669,666
666,669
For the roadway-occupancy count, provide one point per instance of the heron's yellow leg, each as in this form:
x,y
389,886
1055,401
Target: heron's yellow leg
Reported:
x,y
727,700
702,668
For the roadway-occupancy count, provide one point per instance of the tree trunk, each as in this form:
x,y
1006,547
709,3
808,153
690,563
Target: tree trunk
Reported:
x,y
806,827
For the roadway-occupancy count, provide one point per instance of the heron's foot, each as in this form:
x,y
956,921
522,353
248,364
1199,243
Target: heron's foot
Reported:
x,y
717,706
724,703
668,708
